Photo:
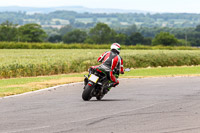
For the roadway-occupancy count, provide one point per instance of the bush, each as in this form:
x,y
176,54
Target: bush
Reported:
x,y
25,45
165,39
182,42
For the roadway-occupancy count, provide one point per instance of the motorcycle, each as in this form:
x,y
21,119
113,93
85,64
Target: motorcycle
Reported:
x,y
96,84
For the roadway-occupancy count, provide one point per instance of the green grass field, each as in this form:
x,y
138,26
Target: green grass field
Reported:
x,y
21,85
164,71
36,62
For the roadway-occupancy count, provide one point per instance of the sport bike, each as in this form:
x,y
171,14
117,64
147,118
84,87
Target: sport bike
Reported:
x,y
96,84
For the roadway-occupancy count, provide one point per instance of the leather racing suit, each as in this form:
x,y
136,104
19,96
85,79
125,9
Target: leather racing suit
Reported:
x,y
110,61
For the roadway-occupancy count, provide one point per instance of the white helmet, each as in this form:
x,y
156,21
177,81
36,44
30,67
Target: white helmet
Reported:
x,y
116,46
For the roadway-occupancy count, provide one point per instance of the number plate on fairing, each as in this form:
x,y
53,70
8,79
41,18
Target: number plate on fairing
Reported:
x,y
93,78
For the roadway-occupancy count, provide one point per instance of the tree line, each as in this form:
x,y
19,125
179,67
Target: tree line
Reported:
x,y
26,33
100,34
88,20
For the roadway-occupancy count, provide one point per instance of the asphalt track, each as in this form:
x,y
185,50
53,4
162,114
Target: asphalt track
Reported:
x,y
148,105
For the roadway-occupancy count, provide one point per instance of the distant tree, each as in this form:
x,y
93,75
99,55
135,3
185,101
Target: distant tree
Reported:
x,y
66,29
141,19
189,37
131,29
147,41
89,25
102,34
183,42
72,21
76,36
55,38
121,38
198,28
195,42
136,38
8,31
79,25
165,38
31,33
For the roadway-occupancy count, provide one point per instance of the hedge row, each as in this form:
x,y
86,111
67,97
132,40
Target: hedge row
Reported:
x,y
24,45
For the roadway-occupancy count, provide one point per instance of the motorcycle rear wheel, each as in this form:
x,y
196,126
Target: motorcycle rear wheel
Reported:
x,y
100,97
87,93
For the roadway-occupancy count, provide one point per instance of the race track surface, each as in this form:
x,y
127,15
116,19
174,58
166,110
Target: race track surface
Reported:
x,y
149,105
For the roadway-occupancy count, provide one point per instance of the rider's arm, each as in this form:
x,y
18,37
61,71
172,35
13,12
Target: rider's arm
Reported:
x,y
121,67
100,59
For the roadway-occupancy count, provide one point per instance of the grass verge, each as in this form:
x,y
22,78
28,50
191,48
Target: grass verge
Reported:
x,y
21,85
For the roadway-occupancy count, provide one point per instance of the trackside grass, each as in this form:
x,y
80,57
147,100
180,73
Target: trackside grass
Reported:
x,y
39,62
21,85
164,71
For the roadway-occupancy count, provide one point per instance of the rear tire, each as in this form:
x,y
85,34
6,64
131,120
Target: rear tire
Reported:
x,y
86,95
100,97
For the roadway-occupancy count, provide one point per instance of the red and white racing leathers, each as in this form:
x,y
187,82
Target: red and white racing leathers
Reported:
x,y
111,60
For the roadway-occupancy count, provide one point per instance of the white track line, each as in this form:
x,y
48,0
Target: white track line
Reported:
x,y
46,89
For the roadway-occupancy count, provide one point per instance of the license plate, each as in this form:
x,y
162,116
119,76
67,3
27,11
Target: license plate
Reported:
x,y
93,78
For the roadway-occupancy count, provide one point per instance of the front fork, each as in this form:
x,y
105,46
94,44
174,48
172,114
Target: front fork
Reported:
x,y
85,80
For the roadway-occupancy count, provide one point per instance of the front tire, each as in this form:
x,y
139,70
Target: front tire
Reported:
x,y
87,93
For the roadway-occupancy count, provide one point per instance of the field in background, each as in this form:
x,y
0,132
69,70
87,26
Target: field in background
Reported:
x,y
35,62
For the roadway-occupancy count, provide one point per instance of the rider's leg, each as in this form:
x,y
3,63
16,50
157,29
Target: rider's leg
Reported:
x,y
113,79
112,83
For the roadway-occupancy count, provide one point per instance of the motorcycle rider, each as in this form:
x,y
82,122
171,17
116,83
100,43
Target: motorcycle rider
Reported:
x,y
111,61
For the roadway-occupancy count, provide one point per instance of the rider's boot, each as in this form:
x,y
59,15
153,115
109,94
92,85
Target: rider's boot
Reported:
x,y
108,88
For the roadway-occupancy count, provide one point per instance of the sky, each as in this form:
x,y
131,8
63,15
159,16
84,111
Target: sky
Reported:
x,y
183,6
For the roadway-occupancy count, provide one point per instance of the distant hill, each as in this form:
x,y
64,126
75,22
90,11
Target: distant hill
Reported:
x,y
81,17
79,9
